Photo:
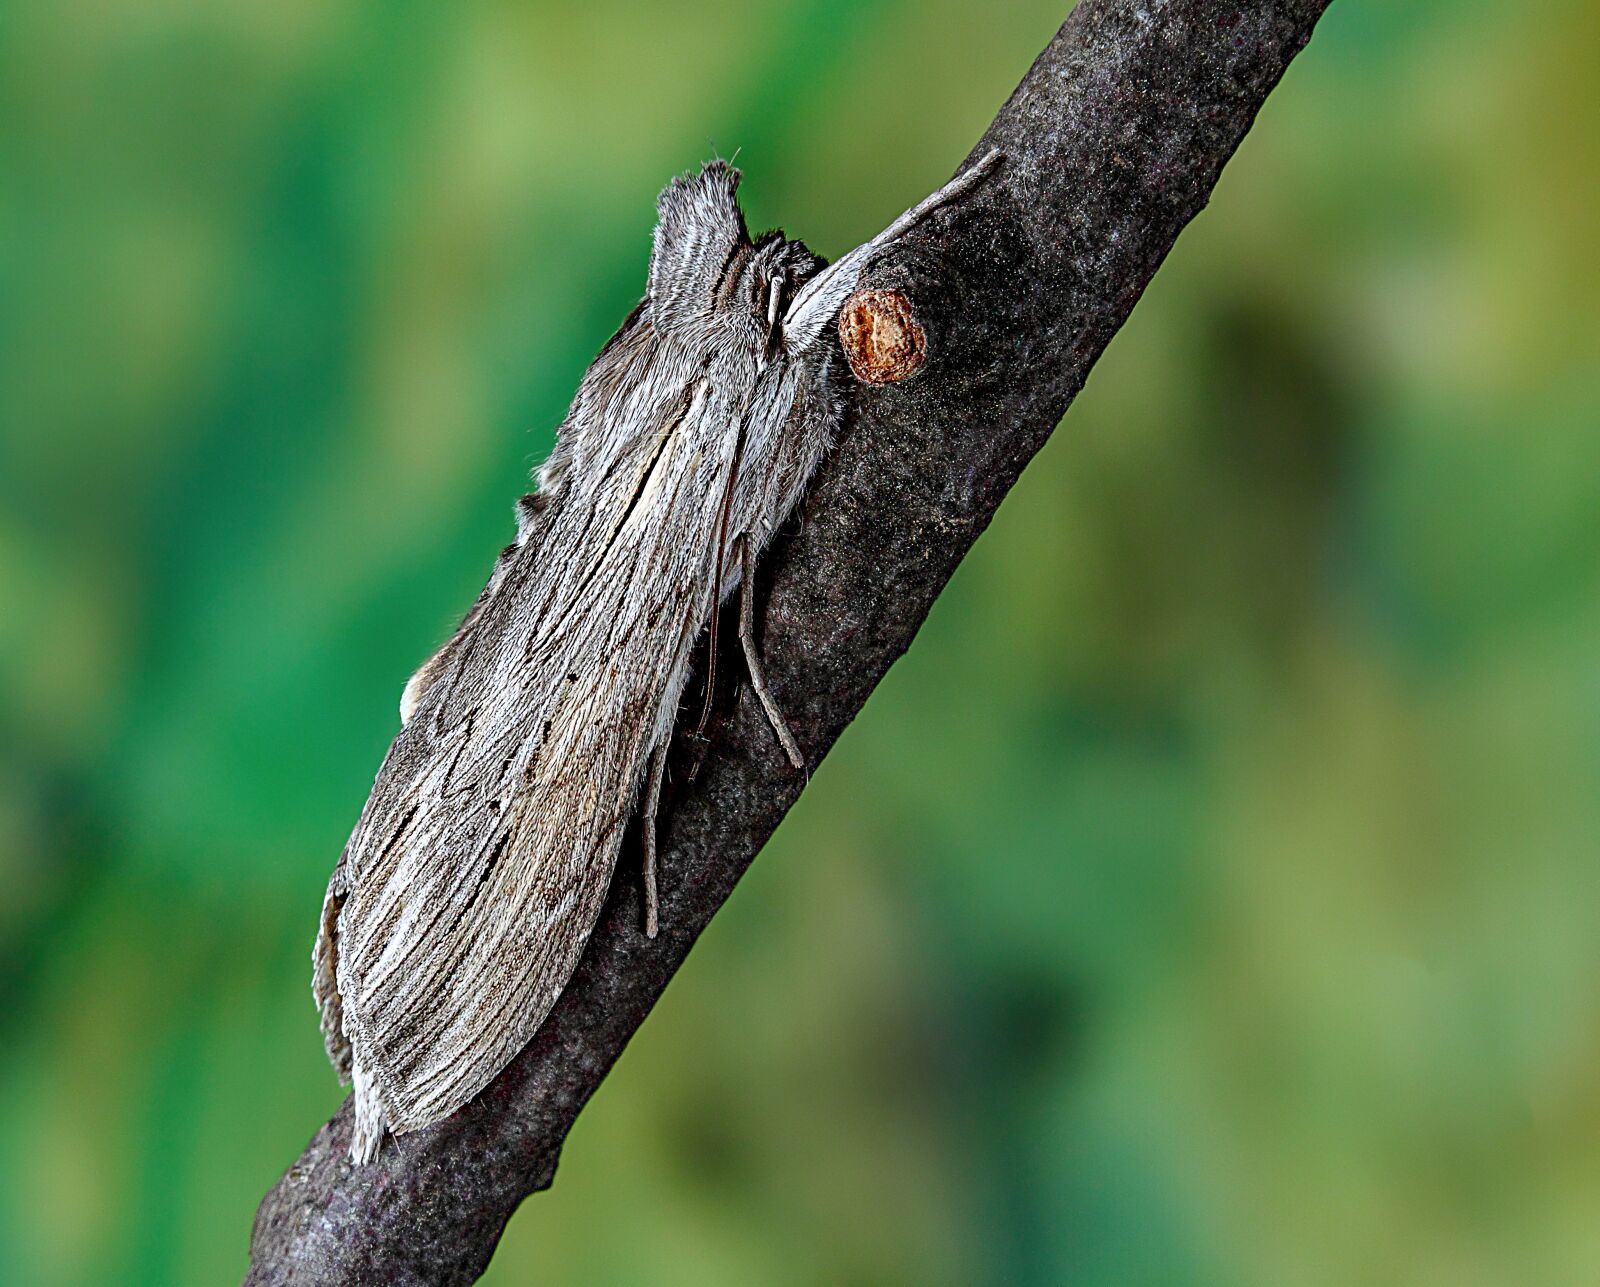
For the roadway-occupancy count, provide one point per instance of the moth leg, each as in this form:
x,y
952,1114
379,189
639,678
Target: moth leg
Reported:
x,y
652,806
752,655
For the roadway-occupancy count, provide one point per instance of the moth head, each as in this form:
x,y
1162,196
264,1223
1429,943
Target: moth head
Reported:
x,y
766,282
706,272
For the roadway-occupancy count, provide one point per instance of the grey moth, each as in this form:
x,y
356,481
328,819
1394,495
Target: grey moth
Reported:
x,y
477,869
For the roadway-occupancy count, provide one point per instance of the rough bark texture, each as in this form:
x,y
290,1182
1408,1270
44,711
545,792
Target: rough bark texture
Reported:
x,y
1112,142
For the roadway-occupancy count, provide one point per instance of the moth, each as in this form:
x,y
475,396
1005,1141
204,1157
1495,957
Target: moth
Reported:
x,y
477,869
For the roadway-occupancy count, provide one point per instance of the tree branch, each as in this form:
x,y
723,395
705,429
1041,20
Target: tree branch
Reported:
x,y
1112,143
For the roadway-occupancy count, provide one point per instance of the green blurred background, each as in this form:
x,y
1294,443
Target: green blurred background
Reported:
x,y
1211,895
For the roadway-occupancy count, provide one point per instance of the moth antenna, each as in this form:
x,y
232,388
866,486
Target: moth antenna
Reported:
x,y
716,585
652,808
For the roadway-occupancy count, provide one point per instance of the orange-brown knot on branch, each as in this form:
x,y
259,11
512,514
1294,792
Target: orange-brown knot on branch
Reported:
x,y
880,337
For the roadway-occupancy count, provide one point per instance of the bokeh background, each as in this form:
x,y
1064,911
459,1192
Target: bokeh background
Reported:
x,y
1211,895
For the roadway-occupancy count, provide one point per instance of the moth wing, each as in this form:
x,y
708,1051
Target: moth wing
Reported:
x,y
465,896
474,875
477,869
625,352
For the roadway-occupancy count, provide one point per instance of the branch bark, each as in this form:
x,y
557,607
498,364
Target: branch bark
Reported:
x,y
1112,142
